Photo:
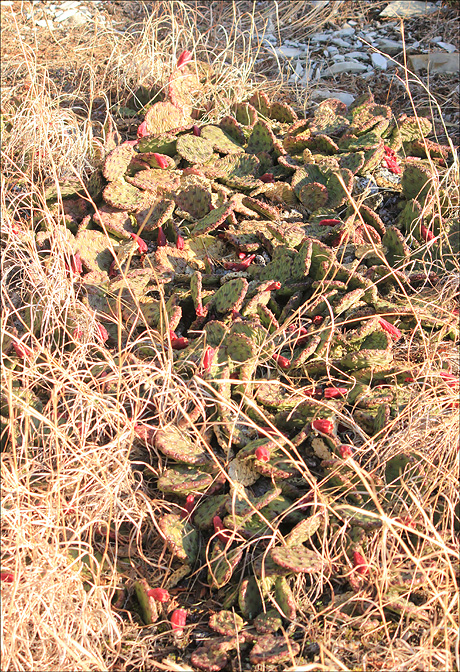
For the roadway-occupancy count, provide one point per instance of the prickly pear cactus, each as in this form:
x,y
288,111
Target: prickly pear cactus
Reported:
x,y
232,252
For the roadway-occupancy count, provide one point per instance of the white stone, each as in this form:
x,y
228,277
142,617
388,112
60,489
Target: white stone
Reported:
x,y
320,37
345,32
346,98
436,39
408,8
352,23
6,3
448,47
379,61
338,58
66,15
437,62
358,54
390,47
70,5
43,23
288,52
79,18
348,66
340,43
333,50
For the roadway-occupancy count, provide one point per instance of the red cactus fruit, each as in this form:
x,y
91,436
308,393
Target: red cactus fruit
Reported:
x,y
190,503
409,380
179,343
360,564
6,577
161,238
390,328
142,245
392,165
208,357
102,332
426,234
178,618
317,320
221,531
196,130
77,334
335,392
75,264
180,242
268,178
274,285
283,362
200,311
22,351
329,222
346,451
161,160
239,266
159,594
322,425
185,57
449,379
142,131
263,454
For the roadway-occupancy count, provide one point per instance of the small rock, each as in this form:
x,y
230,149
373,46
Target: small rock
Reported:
x,y
338,58
361,56
348,66
390,47
78,19
448,47
324,94
345,32
379,61
340,43
288,52
436,39
43,23
437,62
333,50
66,15
407,8
7,3
320,37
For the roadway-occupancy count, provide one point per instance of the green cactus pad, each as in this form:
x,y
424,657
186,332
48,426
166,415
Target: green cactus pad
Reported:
x,y
173,442
261,103
268,623
164,143
230,296
285,598
124,196
117,161
271,650
221,141
397,249
304,530
147,605
194,149
417,179
116,222
212,220
249,598
207,509
261,138
297,559
155,181
184,480
209,659
161,118
414,128
231,127
226,622
150,218
222,564
181,537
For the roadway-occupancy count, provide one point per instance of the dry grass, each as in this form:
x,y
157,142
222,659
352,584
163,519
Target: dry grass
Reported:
x,y
73,468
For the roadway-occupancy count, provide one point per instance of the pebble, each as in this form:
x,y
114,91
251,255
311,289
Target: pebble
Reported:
x,y
324,94
390,47
448,47
358,54
379,61
320,37
338,58
348,66
345,32
340,43
288,52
